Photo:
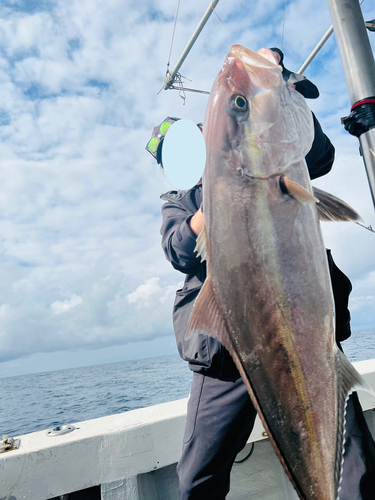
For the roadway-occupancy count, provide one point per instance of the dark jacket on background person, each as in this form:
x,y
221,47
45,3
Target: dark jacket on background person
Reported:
x,y
204,353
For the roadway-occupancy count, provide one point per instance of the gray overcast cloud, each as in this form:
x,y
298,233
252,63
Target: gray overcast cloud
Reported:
x,y
84,279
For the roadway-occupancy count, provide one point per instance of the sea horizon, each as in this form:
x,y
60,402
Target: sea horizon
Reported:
x,y
43,400
350,347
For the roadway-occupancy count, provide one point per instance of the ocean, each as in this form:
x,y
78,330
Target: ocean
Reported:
x,y
44,400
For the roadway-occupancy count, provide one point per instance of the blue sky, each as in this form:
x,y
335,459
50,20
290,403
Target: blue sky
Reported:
x,y
84,279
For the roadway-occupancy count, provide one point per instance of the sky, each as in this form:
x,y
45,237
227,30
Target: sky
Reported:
x,y
83,277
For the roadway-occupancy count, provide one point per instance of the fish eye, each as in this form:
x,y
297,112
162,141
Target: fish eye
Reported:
x,y
240,103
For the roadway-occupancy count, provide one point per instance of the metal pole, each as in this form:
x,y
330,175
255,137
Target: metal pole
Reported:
x,y
359,67
370,25
315,51
170,78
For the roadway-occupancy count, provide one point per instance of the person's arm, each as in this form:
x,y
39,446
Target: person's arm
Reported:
x,y
179,234
322,153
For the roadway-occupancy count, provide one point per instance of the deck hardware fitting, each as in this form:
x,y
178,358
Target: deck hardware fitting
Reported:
x,y
60,430
9,444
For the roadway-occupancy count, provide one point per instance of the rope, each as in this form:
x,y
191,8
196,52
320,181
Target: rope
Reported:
x,y
180,88
186,89
247,456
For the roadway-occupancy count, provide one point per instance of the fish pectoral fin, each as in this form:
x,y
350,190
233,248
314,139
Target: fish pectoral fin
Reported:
x,y
206,316
200,247
331,208
295,190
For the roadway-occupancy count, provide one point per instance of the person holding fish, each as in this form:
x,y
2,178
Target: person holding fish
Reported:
x,y
221,414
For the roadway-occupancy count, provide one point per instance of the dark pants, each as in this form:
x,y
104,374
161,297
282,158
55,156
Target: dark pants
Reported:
x,y
220,418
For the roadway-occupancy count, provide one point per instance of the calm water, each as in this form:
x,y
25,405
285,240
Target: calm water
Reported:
x,y
44,400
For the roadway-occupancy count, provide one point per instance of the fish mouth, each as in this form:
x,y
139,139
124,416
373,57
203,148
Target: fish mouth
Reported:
x,y
262,69
264,59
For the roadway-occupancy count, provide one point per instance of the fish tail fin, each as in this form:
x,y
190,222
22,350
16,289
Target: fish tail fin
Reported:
x,y
348,380
351,379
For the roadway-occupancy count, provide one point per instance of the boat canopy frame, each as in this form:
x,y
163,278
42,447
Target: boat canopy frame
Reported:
x,y
356,57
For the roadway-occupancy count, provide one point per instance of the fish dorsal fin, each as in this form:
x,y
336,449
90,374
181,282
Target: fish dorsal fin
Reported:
x,y
331,208
206,316
296,190
200,247
348,379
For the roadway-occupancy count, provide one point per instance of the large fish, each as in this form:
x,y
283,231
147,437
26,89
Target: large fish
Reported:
x,y
267,296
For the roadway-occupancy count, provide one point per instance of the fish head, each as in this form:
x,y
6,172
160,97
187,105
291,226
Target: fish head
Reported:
x,y
254,121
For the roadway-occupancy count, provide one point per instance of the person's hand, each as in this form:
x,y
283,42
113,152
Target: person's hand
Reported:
x,y
196,222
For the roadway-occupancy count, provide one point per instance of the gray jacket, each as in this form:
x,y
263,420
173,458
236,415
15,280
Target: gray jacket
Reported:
x,y
204,353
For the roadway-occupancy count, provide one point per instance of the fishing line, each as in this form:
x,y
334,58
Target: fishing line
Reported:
x,y
282,36
214,11
369,228
174,30
177,78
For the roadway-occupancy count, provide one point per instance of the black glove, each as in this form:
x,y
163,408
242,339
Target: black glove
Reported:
x,y
301,83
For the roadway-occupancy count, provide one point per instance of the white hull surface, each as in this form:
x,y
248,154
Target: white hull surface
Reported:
x,y
133,456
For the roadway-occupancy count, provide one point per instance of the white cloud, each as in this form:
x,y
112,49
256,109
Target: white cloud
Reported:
x,y
143,293
150,292
79,196
59,307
